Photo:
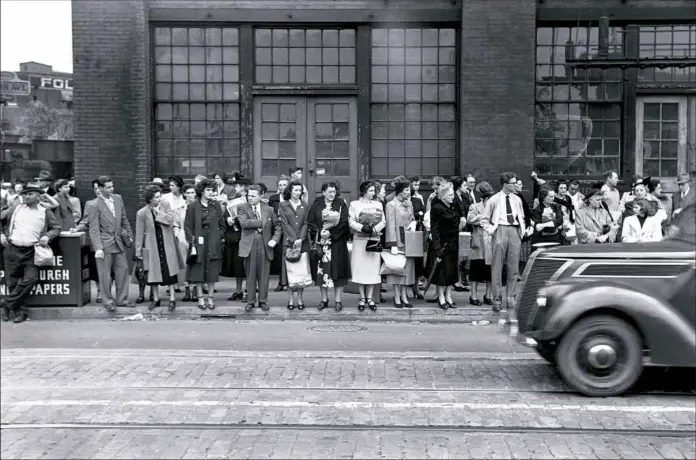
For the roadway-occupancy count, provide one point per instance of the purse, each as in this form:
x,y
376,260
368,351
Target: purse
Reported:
x,y
316,252
374,246
293,253
394,264
192,257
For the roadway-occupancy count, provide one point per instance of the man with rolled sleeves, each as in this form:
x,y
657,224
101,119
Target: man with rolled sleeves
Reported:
x,y
503,219
28,224
261,232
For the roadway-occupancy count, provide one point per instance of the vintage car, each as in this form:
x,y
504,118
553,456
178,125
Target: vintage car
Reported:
x,y
601,312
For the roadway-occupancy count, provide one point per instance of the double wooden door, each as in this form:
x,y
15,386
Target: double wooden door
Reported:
x,y
318,134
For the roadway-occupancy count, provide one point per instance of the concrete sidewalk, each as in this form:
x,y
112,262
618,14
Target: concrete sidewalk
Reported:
x,y
277,301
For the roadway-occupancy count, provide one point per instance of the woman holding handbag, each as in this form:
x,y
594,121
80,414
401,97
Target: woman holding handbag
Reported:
x,y
400,218
367,221
445,223
293,218
156,246
327,225
205,230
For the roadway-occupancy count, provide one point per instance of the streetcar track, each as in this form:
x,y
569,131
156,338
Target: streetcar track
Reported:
x,y
339,389
354,427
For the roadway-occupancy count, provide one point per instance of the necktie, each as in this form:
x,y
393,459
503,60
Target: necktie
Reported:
x,y
508,211
258,217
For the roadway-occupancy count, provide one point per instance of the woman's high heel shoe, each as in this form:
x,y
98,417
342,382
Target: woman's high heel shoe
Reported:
x,y
172,305
211,304
442,305
300,306
201,303
154,304
291,306
187,295
338,306
372,305
398,305
361,305
323,304
475,302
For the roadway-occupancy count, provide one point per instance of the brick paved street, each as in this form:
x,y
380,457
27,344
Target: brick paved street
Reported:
x,y
395,401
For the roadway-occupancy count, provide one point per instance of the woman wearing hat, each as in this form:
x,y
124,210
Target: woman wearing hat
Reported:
x,y
593,222
366,220
445,223
399,216
174,202
481,255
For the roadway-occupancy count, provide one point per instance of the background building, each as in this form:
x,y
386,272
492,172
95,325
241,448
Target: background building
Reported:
x,y
375,88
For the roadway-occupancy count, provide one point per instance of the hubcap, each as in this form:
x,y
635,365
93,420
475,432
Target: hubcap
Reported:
x,y
601,356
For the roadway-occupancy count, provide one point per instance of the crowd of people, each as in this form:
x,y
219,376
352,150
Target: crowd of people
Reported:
x,y
188,235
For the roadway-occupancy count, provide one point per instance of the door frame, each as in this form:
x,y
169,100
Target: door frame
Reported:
x,y
304,138
668,183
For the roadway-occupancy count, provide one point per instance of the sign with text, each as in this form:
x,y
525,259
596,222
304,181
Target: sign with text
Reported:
x,y
15,87
59,83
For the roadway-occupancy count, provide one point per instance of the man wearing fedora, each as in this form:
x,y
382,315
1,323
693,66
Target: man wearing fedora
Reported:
x,y
26,225
110,234
687,194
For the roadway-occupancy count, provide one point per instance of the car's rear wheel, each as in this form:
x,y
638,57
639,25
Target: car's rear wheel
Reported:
x,y
547,350
600,356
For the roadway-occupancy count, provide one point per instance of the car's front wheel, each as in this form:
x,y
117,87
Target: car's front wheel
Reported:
x,y
600,356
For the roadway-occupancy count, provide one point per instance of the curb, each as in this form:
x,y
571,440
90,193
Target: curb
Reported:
x,y
414,315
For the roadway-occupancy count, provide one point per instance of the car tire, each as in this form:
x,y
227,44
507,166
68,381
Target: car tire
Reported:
x,y
600,356
547,350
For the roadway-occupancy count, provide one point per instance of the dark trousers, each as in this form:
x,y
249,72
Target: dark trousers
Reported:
x,y
21,275
258,270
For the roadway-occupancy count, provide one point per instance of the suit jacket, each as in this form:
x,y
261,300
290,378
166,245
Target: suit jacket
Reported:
x,y
690,198
495,209
108,231
466,199
269,225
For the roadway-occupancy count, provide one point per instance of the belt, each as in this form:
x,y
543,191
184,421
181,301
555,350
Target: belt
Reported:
x,y
19,246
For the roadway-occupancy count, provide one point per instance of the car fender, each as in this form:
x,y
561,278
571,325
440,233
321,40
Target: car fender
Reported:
x,y
670,338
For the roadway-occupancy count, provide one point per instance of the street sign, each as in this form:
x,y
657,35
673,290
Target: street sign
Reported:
x,y
15,87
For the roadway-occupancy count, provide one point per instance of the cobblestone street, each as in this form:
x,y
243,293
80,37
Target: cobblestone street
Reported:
x,y
128,402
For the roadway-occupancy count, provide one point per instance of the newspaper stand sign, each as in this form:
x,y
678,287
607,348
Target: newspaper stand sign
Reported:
x,y
13,86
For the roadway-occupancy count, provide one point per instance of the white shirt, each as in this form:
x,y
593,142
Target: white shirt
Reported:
x,y
110,204
27,226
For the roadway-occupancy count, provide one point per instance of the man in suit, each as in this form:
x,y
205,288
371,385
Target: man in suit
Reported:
x,y
261,232
503,218
470,195
28,224
687,194
110,234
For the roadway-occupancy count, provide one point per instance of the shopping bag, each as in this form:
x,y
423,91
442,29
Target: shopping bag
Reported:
x,y
464,245
298,273
43,256
413,244
394,264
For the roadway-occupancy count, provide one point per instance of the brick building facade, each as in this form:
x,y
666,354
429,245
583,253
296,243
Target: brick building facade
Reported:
x,y
352,89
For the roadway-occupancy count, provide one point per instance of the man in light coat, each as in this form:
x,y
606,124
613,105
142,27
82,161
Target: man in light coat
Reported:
x,y
110,234
503,219
261,232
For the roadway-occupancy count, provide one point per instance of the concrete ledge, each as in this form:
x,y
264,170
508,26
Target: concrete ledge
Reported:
x,y
190,311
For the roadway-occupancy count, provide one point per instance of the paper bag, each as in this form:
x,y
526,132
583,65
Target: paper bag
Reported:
x,y
464,245
298,273
413,244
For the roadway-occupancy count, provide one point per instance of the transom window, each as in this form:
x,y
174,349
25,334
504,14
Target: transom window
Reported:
x,y
577,111
196,100
669,41
414,75
298,56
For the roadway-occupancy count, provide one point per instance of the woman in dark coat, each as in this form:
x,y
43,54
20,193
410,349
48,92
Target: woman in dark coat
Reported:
x,y
205,229
278,262
293,218
327,223
547,219
232,264
418,204
445,222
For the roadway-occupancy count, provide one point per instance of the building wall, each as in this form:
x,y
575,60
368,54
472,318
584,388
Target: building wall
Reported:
x,y
497,88
112,95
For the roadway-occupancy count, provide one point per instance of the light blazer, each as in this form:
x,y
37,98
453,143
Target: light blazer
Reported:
x,y
269,225
632,232
106,231
495,210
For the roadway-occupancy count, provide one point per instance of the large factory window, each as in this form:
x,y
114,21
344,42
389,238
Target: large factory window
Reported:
x,y
577,111
668,41
305,56
414,75
196,100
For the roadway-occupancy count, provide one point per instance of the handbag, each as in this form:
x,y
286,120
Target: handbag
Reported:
x,y
192,257
293,253
43,256
374,246
316,252
394,264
